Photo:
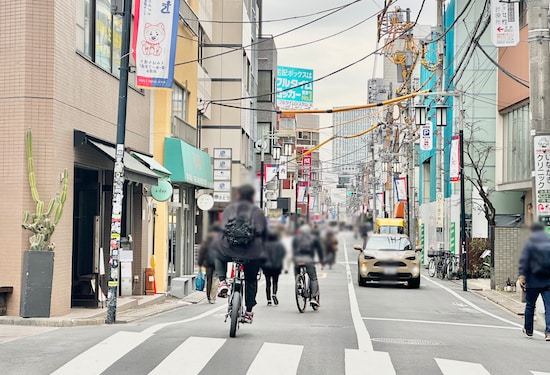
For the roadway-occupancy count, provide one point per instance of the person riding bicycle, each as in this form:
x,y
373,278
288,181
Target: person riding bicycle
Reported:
x,y
304,247
244,231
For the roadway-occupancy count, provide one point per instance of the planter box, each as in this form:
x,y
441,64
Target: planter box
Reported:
x,y
36,285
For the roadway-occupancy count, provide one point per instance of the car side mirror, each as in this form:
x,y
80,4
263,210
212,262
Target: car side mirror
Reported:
x,y
358,247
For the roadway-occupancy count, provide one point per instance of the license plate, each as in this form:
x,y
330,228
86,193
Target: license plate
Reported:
x,y
390,271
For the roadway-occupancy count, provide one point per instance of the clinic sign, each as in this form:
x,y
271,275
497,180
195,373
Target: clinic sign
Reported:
x,y
504,23
294,88
542,174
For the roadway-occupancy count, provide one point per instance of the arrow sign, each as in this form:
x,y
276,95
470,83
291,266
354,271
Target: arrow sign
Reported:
x,y
499,29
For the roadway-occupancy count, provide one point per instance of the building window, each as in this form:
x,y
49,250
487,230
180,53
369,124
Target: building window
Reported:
x,y
517,145
99,34
180,102
265,85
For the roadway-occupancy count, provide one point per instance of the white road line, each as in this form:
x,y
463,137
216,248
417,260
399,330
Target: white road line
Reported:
x,y
194,354
540,373
368,363
99,357
477,307
439,322
276,359
449,367
363,338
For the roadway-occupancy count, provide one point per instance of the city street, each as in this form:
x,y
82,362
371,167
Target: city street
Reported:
x,y
437,329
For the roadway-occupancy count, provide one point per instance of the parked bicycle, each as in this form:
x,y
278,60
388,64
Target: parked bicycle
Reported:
x,y
235,307
303,290
444,264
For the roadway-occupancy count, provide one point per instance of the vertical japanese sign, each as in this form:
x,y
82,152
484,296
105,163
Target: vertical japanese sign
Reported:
x,y
154,43
454,168
504,23
294,88
306,163
542,175
400,184
283,168
439,207
426,136
222,174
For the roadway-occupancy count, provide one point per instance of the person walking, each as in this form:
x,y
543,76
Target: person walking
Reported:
x,y
534,276
207,259
330,244
244,231
273,265
304,247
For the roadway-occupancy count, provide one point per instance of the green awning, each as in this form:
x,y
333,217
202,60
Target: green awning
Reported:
x,y
153,165
187,163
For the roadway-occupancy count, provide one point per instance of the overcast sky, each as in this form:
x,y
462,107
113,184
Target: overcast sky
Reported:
x,y
348,87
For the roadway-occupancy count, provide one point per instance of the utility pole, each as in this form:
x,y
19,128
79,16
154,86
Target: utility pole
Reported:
x,y
411,222
539,73
439,154
118,175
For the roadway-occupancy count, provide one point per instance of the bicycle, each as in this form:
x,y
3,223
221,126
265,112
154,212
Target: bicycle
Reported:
x,y
235,305
432,263
452,266
303,290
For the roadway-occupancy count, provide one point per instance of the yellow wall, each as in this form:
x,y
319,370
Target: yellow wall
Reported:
x,y
186,76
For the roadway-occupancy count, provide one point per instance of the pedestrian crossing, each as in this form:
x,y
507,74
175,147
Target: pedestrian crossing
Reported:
x,y
194,354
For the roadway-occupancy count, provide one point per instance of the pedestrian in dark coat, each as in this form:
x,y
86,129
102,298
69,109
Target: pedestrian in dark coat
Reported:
x,y
330,244
273,265
208,252
534,276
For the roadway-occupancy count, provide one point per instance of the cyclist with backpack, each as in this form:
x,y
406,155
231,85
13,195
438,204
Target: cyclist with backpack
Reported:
x,y
244,230
534,276
304,247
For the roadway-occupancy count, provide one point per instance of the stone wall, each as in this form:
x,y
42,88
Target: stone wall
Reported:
x,y
508,245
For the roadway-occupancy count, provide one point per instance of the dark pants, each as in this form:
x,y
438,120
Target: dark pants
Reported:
x,y
251,269
531,295
310,269
209,282
271,281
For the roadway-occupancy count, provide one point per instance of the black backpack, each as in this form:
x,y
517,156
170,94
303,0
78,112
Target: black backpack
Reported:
x,y
304,244
239,231
540,260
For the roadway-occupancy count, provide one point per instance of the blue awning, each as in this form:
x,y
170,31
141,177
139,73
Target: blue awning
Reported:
x,y
187,163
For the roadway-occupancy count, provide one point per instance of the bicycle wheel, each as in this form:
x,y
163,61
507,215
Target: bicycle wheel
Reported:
x,y
431,267
235,313
300,289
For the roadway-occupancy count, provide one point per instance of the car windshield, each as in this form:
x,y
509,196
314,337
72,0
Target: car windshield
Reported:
x,y
388,243
386,229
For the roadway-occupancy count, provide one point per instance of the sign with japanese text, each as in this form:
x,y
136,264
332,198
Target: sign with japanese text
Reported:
x,y
283,168
439,207
542,174
426,136
154,42
504,23
294,88
454,168
400,188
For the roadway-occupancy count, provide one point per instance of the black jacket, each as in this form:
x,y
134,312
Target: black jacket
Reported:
x,y
208,251
274,255
541,241
255,249
305,246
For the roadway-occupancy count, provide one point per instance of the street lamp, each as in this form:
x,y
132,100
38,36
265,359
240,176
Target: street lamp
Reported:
x,y
420,113
288,149
276,153
441,114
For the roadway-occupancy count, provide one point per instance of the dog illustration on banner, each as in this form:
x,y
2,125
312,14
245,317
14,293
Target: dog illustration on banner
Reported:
x,y
154,35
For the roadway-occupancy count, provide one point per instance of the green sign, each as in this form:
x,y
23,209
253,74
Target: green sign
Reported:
x,y
453,237
163,191
421,233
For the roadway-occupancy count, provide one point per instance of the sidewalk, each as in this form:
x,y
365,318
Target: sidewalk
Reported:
x,y
129,309
510,301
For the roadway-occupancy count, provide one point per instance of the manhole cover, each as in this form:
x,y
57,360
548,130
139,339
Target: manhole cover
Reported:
x,y
392,340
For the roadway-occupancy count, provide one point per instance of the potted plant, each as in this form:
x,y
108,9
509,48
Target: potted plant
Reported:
x,y
36,288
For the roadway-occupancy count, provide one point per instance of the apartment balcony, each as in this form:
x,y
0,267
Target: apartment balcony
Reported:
x,y
189,18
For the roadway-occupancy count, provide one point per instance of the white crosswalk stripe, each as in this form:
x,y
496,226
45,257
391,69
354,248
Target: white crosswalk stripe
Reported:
x,y
288,355
195,352
450,367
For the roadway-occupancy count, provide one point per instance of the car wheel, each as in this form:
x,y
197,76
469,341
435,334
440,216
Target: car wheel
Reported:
x,y
414,283
360,280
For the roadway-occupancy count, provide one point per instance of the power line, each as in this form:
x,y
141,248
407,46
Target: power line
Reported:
x,y
501,68
336,10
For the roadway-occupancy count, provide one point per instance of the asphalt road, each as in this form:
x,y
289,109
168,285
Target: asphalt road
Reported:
x,y
387,329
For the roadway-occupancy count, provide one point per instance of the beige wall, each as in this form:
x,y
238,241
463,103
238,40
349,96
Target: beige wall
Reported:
x,y
47,86
516,61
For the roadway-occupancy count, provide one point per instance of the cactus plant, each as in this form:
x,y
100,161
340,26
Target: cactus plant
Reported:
x,y
41,223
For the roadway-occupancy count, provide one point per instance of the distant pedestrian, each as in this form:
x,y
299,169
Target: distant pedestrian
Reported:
x,y
330,245
207,259
273,265
534,276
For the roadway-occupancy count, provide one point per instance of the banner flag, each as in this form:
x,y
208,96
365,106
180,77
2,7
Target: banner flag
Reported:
x,y
454,168
154,42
